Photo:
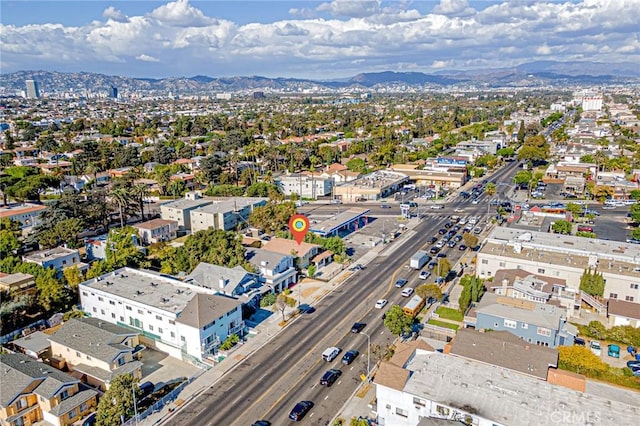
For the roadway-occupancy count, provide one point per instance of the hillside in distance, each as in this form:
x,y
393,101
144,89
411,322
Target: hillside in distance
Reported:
x,y
535,74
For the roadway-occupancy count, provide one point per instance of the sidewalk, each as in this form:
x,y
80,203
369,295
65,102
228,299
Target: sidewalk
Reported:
x,y
265,332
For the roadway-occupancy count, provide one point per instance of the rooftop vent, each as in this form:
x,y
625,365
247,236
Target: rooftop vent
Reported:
x,y
154,284
164,300
139,293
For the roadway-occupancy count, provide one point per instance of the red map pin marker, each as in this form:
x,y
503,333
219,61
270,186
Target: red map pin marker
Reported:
x,y
299,226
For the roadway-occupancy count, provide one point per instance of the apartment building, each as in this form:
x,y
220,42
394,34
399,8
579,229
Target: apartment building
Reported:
x,y
33,392
97,351
225,214
305,185
25,214
235,282
180,210
186,321
57,258
276,270
566,256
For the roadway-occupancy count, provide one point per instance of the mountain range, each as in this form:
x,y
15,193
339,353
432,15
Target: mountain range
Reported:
x,y
533,74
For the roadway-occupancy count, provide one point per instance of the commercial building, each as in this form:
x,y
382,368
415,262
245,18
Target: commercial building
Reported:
x,y
493,383
566,256
97,351
438,176
226,214
32,392
33,92
186,321
373,186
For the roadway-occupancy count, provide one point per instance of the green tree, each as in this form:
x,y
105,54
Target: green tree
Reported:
x,y
592,282
272,217
522,177
397,321
282,302
51,291
122,199
490,188
562,227
427,291
443,268
261,189
634,212
470,240
635,194
311,270
268,300
117,403
574,208
602,192
63,231
73,276
121,250
357,165
9,236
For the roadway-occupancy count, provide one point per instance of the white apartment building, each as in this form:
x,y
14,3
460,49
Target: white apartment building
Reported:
x,y
180,210
563,256
157,230
57,258
305,185
186,321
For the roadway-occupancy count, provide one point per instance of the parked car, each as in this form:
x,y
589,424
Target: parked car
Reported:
x,y
432,265
442,231
400,282
330,377
385,206
613,351
407,292
433,240
462,247
579,341
633,364
381,303
452,243
434,250
356,267
595,347
350,356
261,423
436,206
457,238
358,327
300,410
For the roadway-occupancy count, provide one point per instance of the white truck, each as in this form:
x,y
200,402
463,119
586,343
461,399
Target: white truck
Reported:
x,y
419,259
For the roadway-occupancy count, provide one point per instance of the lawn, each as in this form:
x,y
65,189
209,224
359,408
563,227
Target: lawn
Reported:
x,y
443,324
450,314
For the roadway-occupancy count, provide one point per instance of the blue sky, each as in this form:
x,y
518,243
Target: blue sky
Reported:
x,y
310,39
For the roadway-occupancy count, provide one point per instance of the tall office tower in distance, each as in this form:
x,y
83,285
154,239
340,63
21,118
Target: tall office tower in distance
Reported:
x,y
32,89
113,92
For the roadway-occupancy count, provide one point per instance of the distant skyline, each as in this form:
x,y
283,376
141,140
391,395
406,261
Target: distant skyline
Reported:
x,y
310,39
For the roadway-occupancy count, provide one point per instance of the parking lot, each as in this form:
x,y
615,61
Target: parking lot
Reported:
x,y
160,367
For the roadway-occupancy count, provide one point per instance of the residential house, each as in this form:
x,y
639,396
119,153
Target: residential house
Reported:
x,y
27,215
17,284
157,230
520,284
276,270
539,323
186,321
100,178
225,214
57,258
32,392
303,253
622,313
235,282
35,345
97,351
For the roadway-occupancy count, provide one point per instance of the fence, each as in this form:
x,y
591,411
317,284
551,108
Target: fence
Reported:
x,y
158,405
10,337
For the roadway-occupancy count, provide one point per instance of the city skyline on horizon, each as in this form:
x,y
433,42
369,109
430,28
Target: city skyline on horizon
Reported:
x,y
311,39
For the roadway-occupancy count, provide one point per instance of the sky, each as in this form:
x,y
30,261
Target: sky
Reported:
x,y
310,39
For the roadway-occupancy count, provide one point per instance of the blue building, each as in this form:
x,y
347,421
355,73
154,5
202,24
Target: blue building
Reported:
x,y
538,323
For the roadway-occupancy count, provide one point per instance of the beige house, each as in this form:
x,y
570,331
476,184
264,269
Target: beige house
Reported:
x,y
97,351
157,230
31,392
305,252
17,284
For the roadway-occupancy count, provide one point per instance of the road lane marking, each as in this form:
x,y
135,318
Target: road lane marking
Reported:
x,y
311,415
262,377
326,397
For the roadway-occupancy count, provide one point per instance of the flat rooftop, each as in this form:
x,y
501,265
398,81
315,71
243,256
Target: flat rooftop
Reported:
x,y
510,398
230,204
52,254
339,220
567,250
379,179
147,288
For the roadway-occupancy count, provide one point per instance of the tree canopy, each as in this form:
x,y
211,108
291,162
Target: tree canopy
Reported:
x,y
397,321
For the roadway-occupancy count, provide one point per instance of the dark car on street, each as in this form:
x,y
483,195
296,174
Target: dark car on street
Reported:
x,y
400,282
300,410
261,423
350,356
433,240
330,377
358,327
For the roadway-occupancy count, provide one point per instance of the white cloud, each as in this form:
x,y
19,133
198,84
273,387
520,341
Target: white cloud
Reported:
x,y
114,14
181,14
147,58
454,8
186,41
350,8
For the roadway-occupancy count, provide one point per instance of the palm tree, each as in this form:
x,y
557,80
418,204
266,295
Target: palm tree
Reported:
x,y
140,191
121,197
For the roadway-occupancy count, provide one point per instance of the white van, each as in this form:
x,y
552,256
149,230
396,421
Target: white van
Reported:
x,y
330,354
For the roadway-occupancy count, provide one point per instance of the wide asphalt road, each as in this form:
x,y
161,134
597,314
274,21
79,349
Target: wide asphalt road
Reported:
x,y
288,368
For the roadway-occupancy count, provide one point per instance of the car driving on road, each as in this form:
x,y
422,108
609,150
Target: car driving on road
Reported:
x,y
400,282
407,292
330,377
300,410
350,356
381,303
358,327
